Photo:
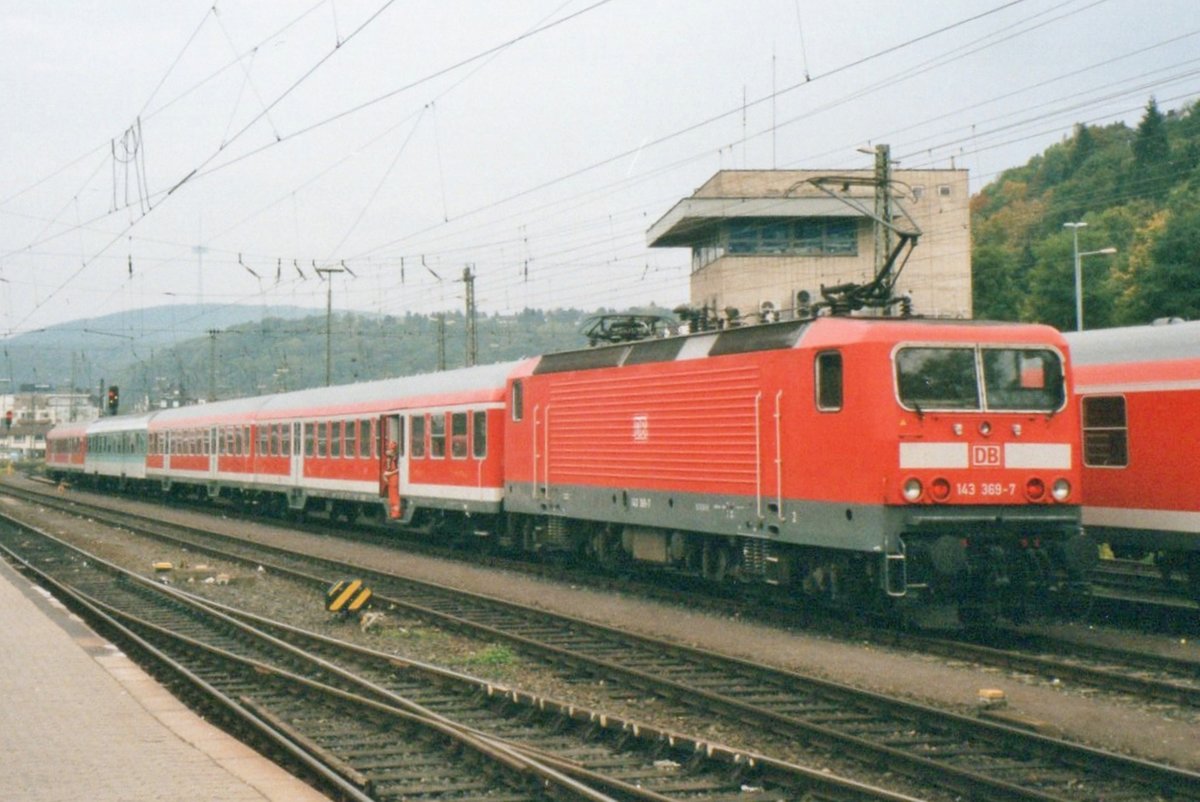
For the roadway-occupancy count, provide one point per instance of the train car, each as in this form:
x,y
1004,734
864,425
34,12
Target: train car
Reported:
x,y
865,461
890,460
1139,395
66,450
116,450
323,449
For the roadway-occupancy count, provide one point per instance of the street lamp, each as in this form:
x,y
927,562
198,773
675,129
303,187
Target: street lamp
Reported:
x,y
1078,273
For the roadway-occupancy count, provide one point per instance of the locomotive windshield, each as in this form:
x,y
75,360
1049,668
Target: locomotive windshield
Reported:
x,y
1025,379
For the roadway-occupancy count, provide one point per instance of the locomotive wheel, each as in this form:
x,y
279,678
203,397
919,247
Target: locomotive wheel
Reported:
x,y
714,563
606,549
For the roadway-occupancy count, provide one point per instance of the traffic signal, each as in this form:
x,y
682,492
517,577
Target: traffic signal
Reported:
x,y
8,420
114,399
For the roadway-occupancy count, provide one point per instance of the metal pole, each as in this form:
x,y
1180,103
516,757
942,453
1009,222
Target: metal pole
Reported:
x,y
441,341
1078,275
883,205
212,365
1078,286
328,271
472,348
328,331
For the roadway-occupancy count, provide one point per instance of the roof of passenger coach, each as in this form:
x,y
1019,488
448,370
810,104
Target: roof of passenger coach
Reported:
x,y
479,383
69,429
1134,344
120,423
206,414
484,382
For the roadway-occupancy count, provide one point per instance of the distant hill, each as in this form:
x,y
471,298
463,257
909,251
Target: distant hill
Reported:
x,y
85,351
1137,189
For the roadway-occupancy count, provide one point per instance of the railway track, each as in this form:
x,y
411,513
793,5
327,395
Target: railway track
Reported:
x,y
958,753
1152,677
385,729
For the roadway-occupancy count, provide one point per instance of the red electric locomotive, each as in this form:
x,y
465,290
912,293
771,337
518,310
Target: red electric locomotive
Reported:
x,y
850,458
1139,391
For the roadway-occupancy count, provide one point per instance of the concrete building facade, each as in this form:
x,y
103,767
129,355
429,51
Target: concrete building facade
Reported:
x,y
763,236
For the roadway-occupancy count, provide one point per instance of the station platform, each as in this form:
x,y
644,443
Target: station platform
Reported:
x,y
79,720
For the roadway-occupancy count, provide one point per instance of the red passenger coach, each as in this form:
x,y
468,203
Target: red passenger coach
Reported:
x,y
1139,391
848,457
324,449
66,449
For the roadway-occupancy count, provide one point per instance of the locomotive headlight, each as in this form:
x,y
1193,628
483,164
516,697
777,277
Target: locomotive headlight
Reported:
x,y
1061,489
912,489
1035,489
985,428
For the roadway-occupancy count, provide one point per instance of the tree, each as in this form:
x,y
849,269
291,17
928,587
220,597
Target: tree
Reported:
x,y
1150,145
1169,286
1151,155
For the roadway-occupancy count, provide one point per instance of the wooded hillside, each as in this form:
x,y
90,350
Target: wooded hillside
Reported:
x,y
1138,190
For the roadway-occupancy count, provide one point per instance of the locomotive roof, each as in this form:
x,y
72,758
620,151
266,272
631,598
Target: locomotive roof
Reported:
x,y
1158,343
818,332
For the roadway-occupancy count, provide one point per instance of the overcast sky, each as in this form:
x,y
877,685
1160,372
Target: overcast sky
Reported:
x,y
158,152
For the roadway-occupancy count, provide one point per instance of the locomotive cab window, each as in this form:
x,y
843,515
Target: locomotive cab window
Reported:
x,y
937,378
948,377
829,381
1105,432
1022,379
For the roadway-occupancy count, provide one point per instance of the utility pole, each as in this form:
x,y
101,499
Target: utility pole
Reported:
x,y
212,365
71,400
472,349
883,205
441,341
328,271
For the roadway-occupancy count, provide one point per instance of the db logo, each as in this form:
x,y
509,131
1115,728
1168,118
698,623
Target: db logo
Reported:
x,y
986,456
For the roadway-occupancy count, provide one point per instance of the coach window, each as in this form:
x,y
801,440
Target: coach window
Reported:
x,y
437,435
417,449
479,435
364,443
248,440
335,438
273,441
351,439
458,435
322,438
1105,432
309,440
829,381
285,439
518,400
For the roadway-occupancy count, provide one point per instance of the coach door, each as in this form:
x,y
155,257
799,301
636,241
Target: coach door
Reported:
x,y
393,468
296,463
213,451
